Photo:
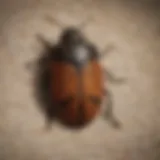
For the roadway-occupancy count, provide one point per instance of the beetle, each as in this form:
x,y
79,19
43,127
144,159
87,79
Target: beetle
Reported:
x,y
75,81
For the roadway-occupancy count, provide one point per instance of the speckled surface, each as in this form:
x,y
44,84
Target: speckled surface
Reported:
x,y
133,28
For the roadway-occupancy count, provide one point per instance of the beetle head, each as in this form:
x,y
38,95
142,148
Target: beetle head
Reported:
x,y
72,33
71,36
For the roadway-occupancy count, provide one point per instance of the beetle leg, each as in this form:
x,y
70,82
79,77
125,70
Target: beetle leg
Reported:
x,y
54,21
109,115
31,66
48,125
107,50
44,42
112,78
104,92
85,23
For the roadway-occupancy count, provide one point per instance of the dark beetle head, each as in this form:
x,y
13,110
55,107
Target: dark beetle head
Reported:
x,y
71,37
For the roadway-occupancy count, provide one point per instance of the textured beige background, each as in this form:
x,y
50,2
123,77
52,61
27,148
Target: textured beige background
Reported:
x,y
134,28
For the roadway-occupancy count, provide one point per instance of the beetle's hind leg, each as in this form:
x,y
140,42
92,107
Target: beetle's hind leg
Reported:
x,y
109,113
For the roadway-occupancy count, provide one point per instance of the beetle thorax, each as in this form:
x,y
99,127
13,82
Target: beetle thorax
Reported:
x,y
71,36
80,54
74,47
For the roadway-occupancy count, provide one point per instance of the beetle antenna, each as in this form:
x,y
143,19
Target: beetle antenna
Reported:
x,y
107,50
84,23
54,21
45,43
81,26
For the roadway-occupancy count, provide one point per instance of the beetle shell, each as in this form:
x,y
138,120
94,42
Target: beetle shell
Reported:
x,y
77,96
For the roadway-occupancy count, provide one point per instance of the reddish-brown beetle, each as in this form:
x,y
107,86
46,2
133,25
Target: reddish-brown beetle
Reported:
x,y
75,81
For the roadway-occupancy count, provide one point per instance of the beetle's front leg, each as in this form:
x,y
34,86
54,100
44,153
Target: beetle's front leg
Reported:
x,y
112,78
43,60
31,66
109,113
106,51
46,44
